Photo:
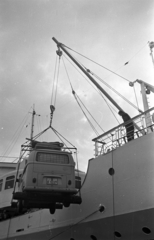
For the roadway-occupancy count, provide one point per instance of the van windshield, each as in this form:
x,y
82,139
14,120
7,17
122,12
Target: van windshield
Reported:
x,y
52,158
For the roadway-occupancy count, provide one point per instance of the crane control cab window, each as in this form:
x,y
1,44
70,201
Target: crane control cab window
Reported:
x,y
9,182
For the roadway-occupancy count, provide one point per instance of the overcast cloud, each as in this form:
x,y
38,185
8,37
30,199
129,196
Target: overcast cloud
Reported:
x,y
110,32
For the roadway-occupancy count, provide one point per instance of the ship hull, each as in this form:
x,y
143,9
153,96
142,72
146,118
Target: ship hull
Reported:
x,y
126,226
126,194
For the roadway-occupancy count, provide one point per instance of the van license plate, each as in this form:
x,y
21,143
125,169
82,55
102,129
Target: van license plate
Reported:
x,y
50,181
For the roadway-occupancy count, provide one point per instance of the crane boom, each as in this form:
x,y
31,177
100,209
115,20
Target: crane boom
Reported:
x,y
60,45
86,72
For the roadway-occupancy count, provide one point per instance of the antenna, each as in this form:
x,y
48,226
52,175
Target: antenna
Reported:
x,y
151,46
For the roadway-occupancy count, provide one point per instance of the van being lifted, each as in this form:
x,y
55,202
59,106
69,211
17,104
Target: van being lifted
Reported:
x,y
48,179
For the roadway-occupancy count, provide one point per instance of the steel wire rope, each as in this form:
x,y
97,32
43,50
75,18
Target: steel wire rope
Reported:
x,y
126,63
57,83
98,91
58,134
39,124
52,94
75,224
98,64
110,107
73,92
78,99
108,68
16,135
92,126
94,87
135,54
100,79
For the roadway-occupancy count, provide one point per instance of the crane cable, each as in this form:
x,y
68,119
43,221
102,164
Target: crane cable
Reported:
x,y
126,63
92,73
77,99
95,88
55,82
100,79
98,64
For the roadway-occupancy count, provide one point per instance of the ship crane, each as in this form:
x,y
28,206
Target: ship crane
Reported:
x,y
87,73
146,88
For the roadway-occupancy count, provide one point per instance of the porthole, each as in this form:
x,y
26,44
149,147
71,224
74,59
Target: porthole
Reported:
x,y
146,230
117,234
111,171
101,208
93,237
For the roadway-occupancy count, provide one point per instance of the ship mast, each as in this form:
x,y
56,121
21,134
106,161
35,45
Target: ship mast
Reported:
x,y
32,125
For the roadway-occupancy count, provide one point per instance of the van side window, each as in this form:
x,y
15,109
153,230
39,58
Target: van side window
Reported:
x,y
9,182
1,184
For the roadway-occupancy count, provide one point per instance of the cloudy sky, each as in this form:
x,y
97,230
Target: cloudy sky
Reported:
x,y
111,32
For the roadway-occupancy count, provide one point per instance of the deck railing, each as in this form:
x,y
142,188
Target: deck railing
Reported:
x,y
117,136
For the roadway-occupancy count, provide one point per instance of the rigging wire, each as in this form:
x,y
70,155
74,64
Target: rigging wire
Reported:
x,y
57,83
99,64
111,89
16,135
126,63
95,88
78,99
75,224
135,96
135,54
75,95
110,107
57,133
52,95
100,79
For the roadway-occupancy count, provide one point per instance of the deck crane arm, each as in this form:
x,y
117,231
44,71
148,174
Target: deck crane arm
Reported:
x,y
86,72
147,85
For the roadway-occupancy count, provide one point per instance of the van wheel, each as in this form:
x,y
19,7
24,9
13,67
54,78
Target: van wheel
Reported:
x,y
52,210
66,205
